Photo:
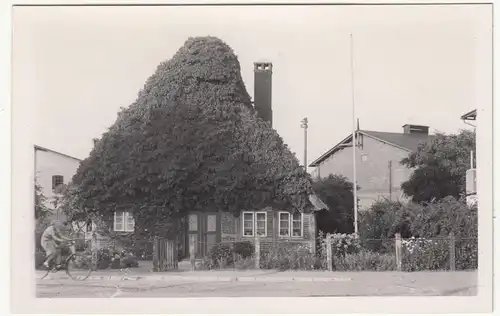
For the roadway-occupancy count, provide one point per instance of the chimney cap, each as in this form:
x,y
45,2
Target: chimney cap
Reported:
x,y
415,129
414,125
263,66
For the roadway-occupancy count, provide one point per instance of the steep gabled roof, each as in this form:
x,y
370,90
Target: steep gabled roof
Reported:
x,y
40,148
470,116
407,142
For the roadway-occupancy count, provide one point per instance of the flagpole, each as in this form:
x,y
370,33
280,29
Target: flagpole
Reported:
x,y
354,144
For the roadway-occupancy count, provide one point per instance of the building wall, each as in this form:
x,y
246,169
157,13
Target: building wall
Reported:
x,y
372,170
48,164
231,227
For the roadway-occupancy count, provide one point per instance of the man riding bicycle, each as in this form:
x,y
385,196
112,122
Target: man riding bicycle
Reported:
x,y
52,241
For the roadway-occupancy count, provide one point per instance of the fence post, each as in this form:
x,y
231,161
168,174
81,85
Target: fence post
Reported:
x,y
452,251
398,244
192,252
155,254
257,253
94,250
329,258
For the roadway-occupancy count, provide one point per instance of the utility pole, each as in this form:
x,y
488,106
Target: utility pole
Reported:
x,y
390,180
354,144
304,125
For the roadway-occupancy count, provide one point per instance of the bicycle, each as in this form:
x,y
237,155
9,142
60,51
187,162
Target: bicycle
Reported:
x,y
78,266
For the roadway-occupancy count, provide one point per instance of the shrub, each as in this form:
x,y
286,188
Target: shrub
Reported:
x,y
220,255
245,263
244,248
365,260
444,217
343,244
289,257
336,192
129,261
103,258
421,254
466,254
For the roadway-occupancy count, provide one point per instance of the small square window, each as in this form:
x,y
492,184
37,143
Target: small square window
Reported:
x,y
364,158
57,181
124,222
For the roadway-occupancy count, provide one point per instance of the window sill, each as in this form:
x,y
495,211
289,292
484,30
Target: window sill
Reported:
x,y
123,232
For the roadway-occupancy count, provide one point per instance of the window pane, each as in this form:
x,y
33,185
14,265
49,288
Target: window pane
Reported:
x,y
284,230
284,224
248,224
261,228
193,222
211,223
284,216
119,217
261,224
297,225
248,231
119,221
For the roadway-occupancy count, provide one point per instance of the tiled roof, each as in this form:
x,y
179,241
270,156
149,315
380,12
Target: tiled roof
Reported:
x,y
409,142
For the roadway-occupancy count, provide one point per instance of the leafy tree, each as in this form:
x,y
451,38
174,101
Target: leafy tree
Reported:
x,y
337,193
440,167
41,209
443,217
191,141
379,224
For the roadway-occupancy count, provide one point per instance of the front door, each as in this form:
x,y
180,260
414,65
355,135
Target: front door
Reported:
x,y
203,231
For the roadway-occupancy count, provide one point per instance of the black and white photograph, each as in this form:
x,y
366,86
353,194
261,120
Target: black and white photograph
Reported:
x,y
301,151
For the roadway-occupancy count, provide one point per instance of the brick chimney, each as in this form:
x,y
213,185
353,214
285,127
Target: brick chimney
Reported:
x,y
415,129
263,72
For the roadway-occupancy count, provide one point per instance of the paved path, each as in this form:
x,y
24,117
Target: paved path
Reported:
x,y
265,284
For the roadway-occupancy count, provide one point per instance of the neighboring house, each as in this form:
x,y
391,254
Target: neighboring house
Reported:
x,y
53,169
471,184
379,173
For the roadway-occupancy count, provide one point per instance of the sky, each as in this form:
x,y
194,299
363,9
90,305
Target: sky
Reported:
x,y
424,65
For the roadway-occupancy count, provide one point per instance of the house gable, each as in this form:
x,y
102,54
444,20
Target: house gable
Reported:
x,y
379,172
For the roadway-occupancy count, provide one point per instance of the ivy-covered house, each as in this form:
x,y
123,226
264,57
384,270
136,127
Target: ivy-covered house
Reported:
x,y
230,176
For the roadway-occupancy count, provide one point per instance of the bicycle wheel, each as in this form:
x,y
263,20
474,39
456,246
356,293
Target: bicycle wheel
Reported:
x,y
43,271
79,267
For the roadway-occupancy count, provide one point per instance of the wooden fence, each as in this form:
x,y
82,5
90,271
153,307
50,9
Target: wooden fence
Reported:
x,y
398,251
164,254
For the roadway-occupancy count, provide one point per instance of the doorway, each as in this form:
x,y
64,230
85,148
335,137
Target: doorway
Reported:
x,y
203,232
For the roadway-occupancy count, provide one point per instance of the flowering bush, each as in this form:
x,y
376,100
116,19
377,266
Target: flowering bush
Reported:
x,y
466,254
116,258
425,254
365,260
290,257
344,244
